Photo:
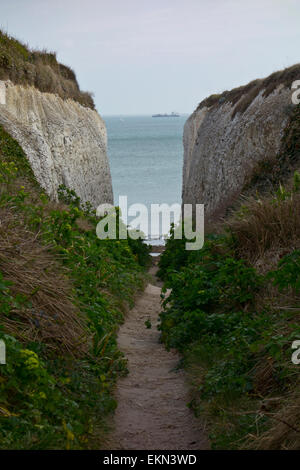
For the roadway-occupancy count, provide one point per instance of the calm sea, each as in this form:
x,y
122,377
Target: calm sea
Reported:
x,y
146,156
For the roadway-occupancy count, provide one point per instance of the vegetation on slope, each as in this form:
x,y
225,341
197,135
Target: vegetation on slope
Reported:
x,y
249,92
234,313
63,293
39,69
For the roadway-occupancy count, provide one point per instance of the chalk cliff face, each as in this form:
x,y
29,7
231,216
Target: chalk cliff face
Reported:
x,y
64,141
223,145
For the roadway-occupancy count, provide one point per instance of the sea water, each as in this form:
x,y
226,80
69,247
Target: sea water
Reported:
x,y
146,158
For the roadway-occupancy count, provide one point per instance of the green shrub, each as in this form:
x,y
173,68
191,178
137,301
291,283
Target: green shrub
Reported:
x,y
211,283
288,272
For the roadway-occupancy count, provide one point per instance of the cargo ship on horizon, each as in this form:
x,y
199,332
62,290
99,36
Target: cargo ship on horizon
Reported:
x,y
166,115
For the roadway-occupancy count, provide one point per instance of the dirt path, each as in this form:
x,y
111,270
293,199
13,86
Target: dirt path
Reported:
x,y
152,411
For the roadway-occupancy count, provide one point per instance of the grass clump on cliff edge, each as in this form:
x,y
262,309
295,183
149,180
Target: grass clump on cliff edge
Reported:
x,y
39,69
242,97
233,313
63,294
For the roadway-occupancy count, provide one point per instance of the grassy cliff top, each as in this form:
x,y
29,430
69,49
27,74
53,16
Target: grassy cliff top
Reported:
x,y
251,90
41,69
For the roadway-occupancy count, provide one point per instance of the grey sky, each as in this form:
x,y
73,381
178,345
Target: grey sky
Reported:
x,y
146,56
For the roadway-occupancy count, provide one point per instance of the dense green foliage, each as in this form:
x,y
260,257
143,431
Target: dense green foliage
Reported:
x,y
288,272
216,318
49,399
213,281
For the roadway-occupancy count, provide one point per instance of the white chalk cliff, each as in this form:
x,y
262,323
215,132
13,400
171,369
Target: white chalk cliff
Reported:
x,y
65,142
222,146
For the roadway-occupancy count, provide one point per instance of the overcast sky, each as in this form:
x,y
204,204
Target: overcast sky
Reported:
x,y
147,56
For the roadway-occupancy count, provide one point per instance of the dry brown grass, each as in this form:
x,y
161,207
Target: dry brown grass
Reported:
x,y
266,224
51,317
284,433
40,69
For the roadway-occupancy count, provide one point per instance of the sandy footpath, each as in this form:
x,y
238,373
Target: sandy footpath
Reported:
x,y
152,411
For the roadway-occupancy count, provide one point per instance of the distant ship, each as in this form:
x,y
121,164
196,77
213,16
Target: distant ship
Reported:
x,y
166,115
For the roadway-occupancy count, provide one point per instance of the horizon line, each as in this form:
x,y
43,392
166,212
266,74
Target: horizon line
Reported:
x,y
139,114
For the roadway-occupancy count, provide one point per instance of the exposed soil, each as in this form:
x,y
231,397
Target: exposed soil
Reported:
x,y
152,398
